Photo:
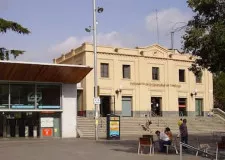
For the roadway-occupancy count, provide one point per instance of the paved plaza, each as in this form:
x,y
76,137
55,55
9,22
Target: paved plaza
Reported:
x,y
79,149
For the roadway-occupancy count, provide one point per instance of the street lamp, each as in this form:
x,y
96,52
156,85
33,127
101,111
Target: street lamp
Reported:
x,y
96,98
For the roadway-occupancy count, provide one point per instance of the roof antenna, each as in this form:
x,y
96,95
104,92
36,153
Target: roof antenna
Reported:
x,y
156,14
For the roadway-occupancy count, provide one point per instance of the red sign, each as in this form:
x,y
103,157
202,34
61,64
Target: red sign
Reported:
x,y
47,132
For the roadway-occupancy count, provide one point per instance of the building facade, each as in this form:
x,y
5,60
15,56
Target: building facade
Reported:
x,y
143,81
39,100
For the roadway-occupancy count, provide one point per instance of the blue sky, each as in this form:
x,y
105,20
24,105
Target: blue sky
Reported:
x,y
57,26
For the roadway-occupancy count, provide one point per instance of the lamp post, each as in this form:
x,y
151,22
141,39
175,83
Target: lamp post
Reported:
x,y
96,98
95,68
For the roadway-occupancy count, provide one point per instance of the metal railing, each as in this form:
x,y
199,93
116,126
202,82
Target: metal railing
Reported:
x,y
219,112
153,114
208,155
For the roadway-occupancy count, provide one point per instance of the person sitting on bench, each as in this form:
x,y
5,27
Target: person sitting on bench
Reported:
x,y
163,140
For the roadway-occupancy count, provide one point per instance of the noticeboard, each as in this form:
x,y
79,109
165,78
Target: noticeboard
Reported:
x,y
113,127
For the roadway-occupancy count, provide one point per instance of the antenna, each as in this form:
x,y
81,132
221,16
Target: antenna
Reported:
x,y
172,39
156,13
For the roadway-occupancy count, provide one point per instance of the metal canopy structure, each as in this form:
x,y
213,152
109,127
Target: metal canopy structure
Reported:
x,y
42,72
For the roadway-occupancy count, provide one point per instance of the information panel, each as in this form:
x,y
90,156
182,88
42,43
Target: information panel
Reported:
x,y
47,122
113,127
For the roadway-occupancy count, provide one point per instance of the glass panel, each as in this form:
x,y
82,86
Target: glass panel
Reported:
x,y
199,79
181,75
104,70
48,96
22,96
126,71
182,104
155,73
4,96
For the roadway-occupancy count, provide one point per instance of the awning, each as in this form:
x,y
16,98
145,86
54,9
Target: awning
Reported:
x,y
42,72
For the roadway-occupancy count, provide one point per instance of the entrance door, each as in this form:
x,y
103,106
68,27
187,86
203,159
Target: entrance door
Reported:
x,y
105,105
56,127
126,106
182,104
198,107
156,106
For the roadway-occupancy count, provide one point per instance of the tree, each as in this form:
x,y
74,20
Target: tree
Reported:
x,y
219,91
5,26
205,35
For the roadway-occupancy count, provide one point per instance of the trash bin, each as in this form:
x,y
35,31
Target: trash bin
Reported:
x,y
113,127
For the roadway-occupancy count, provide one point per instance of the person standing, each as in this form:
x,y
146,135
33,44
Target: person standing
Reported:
x,y
179,123
184,132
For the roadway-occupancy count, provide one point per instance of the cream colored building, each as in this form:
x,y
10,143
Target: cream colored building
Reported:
x,y
133,82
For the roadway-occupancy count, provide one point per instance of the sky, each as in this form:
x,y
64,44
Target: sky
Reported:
x,y
57,26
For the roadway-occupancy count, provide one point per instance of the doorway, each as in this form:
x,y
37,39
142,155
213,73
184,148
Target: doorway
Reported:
x,y
156,106
182,103
105,107
127,106
199,107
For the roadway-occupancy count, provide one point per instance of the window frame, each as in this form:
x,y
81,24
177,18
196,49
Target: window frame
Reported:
x,y
104,70
155,76
184,77
126,73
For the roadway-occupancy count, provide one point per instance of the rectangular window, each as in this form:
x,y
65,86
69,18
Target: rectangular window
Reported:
x,y
155,73
4,96
126,71
181,75
22,96
105,70
48,96
198,78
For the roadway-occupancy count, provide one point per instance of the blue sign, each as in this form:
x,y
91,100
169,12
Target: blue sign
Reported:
x,y
49,107
22,107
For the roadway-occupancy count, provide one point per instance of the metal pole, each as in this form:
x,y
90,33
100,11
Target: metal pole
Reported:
x,y
95,68
180,151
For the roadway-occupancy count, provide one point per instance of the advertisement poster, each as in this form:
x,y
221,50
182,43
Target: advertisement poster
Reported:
x,y
114,129
47,122
47,132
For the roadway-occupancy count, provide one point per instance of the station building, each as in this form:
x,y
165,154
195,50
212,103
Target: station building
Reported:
x,y
38,99
134,82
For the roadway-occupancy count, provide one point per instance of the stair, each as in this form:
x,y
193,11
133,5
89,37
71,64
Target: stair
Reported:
x,y
131,126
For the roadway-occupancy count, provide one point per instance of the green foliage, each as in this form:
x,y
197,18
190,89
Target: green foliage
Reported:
x,y
205,35
219,91
10,25
5,26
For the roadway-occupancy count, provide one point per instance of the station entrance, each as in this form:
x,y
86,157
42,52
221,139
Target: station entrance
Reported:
x,y
29,124
19,124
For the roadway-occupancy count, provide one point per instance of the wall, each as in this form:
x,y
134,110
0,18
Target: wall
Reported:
x,y
69,114
141,61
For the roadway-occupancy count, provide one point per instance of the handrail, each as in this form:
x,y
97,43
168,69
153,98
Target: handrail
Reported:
x,y
194,148
153,114
220,112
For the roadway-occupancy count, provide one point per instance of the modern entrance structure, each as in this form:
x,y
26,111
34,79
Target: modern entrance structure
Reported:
x,y
38,99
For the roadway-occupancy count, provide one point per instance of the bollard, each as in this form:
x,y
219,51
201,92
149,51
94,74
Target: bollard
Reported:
x,y
26,131
8,135
17,131
35,131
180,151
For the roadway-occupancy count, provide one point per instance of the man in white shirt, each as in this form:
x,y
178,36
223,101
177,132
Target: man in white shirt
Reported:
x,y
163,139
